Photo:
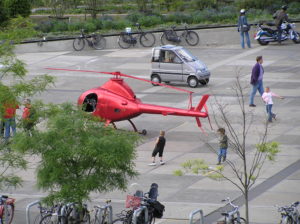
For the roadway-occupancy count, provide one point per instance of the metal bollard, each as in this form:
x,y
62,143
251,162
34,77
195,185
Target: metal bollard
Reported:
x,y
100,213
28,208
137,212
192,214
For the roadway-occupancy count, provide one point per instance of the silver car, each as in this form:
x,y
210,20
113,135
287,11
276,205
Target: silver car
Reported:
x,y
176,64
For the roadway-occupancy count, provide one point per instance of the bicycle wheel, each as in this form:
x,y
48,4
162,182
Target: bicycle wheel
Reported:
x,y
147,39
124,40
242,220
192,38
99,42
8,214
163,39
47,220
78,44
120,221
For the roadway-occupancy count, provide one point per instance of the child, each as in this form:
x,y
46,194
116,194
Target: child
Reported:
x,y
223,144
159,148
267,98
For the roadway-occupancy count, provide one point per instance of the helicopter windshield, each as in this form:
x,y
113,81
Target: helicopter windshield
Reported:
x,y
186,55
90,103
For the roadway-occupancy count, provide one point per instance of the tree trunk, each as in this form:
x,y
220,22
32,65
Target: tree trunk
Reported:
x,y
246,205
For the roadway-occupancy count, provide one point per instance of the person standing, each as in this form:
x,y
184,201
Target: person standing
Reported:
x,y
159,148
10,119
256,80
28,116
280,16
243,28
267,98
223,145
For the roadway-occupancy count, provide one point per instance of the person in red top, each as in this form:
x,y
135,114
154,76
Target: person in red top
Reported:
x,y
28,116
10,119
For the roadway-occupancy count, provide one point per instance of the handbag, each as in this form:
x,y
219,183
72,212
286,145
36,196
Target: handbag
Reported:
x,y
246,28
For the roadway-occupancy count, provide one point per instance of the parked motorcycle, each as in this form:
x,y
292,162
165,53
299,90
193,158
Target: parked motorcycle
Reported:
x,y
265,35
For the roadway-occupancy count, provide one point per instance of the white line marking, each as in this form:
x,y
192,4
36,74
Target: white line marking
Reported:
x,y
236,57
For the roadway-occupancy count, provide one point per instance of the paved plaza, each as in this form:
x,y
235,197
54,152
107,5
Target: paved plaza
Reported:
x,y
279,182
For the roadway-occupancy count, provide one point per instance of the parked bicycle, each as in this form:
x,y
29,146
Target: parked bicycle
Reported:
x,y
141,203
128,39
70,213
229,217
171,37
7,209
290,214
96,41
103,214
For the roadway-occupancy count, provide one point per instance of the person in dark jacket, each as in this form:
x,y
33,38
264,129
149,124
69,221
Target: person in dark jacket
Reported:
x,y
159,148
280,16
243,28
256,80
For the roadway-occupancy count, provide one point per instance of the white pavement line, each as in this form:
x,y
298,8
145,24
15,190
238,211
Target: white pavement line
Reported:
x,y
236,57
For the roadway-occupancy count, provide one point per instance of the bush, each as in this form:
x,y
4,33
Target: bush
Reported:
x,y
179,17
134,16
59,26
149,21
45,26
294,8
89,27
203,4
19,7
75,26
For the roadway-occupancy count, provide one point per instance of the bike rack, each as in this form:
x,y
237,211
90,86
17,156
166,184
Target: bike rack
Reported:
x,y
102,209
137,212
28,210
193,213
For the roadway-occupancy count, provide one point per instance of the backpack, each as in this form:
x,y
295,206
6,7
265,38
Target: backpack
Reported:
x,y
158,209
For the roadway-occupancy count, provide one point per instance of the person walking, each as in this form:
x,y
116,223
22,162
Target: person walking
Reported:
x,y
223,145
280,16
267,98
159,148
10,119
28,116
256,80
243,28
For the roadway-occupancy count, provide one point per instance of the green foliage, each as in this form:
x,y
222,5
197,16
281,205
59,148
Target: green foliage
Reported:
x,y
19,8
271,149
14,71
3,13
149,21
177,173
79,155
203,4
294,8
10,160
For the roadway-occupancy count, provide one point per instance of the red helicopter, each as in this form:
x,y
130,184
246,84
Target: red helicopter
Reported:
x,y
115,101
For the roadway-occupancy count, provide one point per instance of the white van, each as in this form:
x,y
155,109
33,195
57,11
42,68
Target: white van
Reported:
x,y
176,64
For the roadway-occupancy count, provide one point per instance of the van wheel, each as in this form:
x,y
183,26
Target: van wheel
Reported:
x,y
204,82
155,78
193,82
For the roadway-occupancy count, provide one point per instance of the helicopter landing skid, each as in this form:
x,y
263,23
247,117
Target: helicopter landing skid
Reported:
x,y
143,132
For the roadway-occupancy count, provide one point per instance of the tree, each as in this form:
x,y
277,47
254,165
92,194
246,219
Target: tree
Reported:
x,y
246,167
3,13
93,7
79,154
19,8
13,70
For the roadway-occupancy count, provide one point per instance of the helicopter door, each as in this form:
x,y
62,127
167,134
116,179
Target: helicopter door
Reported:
x,y
170,66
